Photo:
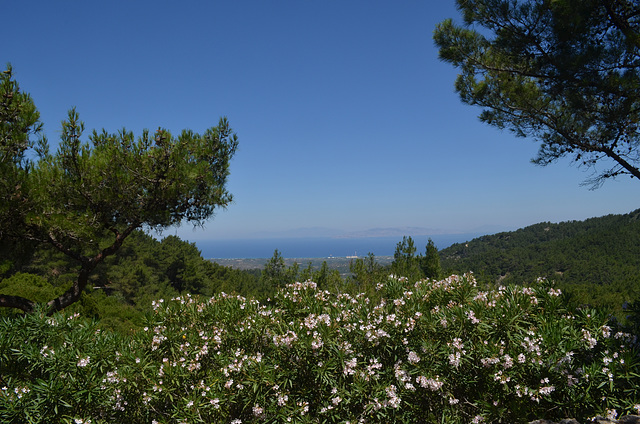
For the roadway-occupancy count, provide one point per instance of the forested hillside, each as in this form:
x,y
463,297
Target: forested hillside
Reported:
x,y
596,260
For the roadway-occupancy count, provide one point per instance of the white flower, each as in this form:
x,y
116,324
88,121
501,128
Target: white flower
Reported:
x,y
472,317
429,383
393,399
83,362
282,399
554,292
349,367
454,359
546,390
591,341
257,411
508,361
457,343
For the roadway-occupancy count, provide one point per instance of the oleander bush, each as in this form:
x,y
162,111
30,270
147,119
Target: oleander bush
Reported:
x,y
427,352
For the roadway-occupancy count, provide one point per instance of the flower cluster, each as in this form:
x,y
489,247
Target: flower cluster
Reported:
x,y
425,351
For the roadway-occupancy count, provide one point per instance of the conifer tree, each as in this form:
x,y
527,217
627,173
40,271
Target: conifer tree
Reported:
x,y
86,198
564,72
430,262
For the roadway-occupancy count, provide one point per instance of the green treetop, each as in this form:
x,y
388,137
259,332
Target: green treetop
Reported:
x,y
430,262
565,72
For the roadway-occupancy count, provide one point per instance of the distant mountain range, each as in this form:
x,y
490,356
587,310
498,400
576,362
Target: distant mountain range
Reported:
x,y
396,232
318,232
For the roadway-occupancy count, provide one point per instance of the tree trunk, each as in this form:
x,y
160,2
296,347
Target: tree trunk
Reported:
x,y
73,294
17,302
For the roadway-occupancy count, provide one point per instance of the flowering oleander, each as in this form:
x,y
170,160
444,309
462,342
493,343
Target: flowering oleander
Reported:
x,y
428,350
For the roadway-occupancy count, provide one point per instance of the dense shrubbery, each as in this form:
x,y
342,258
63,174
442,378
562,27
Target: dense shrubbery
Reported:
x,y
433,351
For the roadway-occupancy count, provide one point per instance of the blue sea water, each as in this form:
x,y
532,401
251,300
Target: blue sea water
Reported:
x,y
319,247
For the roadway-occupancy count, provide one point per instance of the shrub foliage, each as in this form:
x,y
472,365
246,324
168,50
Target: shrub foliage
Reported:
x,y
426,352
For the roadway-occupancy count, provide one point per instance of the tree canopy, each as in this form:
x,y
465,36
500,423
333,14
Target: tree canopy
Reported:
x,y
88,197
565,72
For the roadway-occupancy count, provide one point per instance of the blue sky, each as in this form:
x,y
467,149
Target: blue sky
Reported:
x,y
346,118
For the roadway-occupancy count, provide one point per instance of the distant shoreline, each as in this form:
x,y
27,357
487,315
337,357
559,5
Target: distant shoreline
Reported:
x,y
341,264
319,247
315,258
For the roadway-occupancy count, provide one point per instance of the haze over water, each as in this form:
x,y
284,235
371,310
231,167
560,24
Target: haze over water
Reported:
x,y
319,247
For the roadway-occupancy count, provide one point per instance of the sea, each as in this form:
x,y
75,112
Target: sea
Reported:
x,y
320,247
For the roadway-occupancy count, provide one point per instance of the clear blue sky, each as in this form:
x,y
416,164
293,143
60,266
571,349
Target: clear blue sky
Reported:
x,y
345,116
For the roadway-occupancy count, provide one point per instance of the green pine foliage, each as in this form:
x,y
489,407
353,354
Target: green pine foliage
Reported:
x,y
563,72
86,198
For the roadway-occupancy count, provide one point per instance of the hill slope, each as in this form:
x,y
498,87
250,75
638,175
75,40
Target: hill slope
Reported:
x,y
596,260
